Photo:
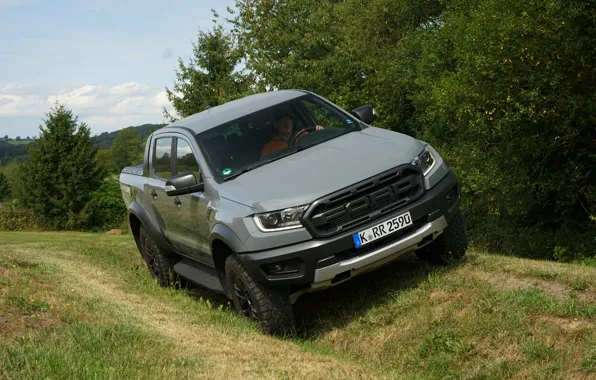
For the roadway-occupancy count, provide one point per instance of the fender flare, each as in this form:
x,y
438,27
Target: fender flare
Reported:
x,y
226,235
138,211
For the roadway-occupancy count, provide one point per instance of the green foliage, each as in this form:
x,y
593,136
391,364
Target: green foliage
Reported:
x,y
511,103
17,219
57,180
9,152
128,149
106,208
4,187
105,140
504,89
209,76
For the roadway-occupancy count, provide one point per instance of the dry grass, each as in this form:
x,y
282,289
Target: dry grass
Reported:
x,y
488,317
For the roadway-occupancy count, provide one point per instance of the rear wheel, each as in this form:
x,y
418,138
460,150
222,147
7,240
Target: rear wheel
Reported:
x,y
450,246
268,306
160,266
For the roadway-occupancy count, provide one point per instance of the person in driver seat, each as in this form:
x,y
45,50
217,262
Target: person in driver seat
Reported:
x,y
283,132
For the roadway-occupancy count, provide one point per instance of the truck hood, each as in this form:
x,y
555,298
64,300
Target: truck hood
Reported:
x,y
305,176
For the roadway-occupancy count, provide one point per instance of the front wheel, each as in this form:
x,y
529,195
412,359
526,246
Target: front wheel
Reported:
x,y
450,246
268,306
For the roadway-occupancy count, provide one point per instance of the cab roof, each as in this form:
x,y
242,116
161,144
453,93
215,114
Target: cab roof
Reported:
x,y
213,117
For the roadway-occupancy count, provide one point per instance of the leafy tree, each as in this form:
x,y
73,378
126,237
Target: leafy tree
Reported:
x,y
508,93
106,208
128,149
4,187
504,89
352,52
57,180
209,78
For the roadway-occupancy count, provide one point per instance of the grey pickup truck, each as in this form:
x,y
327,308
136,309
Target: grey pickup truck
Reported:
x,y
281,193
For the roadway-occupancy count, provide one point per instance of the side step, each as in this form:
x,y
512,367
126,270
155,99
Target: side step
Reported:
x,y
199,274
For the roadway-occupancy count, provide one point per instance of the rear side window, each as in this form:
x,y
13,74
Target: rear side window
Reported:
x,y
185,159
162,157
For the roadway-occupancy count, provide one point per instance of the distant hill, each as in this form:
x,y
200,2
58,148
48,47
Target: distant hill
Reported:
x,y
11,149
106,139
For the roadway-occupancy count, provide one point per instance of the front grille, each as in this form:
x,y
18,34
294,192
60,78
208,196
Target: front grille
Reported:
x,y
364,202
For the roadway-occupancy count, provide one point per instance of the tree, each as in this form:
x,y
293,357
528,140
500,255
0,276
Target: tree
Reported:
x,y
209,77
507,91
4,187
352,52
128,149
57,180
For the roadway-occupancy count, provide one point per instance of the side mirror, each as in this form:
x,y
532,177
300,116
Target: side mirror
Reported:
x,y
365,113
183,183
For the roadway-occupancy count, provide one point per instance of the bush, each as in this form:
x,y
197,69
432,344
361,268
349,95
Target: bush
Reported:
x,y
510,104
106,209
17,219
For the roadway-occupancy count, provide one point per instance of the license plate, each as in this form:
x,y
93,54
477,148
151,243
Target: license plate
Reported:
x,y
382,229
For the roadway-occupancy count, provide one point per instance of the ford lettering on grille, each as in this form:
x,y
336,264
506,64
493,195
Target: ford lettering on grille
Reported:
x,y
364,201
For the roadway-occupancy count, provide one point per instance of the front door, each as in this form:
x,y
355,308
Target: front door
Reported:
x,y
161,168
191,227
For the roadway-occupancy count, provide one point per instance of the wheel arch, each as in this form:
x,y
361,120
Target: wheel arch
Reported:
x,y
137,217
223,242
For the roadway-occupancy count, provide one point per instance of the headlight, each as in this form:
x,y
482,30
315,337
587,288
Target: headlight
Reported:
x,y
280,220
426,161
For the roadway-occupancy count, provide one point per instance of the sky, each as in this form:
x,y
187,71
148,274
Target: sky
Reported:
x,y
109,61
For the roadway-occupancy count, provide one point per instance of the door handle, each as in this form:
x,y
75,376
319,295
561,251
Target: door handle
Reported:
x,y
154,194
177,202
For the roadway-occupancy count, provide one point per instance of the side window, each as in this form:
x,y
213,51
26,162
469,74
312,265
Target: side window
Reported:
x,y
325,116
162,158
185,159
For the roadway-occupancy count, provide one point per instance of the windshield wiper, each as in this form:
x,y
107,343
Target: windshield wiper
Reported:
x,y
295,149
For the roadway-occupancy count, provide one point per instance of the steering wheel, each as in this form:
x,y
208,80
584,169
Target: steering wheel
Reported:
x,y
298,135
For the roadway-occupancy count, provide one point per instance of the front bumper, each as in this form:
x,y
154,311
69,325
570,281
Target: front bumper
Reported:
x,y
326,262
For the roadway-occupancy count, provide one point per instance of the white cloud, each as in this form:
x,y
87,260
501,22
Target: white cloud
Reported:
x,y
130,88
81,98
20,105
102,107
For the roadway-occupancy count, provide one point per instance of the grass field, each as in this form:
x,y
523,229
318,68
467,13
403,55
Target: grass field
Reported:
x,y
83,306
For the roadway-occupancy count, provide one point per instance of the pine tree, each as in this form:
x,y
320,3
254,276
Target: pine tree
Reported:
x,y
57,180
4,188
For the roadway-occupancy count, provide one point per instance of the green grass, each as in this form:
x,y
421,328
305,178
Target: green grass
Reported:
x,y
83,306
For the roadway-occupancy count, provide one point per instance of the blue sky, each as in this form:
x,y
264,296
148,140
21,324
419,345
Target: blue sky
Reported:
x,y
108,60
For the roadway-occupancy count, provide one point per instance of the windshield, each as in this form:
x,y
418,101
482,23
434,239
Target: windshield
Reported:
x,y
270,134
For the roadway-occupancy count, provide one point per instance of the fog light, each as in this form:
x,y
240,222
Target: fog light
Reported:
x,y
287,267
452,196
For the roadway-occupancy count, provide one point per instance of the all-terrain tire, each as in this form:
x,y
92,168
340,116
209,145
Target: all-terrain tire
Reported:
x,y
160,265
270,307
450,246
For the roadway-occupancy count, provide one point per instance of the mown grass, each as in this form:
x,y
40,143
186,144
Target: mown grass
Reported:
x,y
83,305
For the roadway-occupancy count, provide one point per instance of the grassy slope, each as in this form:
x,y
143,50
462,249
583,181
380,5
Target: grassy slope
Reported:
x,y
83,305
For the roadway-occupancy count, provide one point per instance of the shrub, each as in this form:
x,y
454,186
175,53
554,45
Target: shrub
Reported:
x,y
106,209
17,219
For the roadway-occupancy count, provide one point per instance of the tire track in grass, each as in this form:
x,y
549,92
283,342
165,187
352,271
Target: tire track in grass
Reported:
x,y
245,355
